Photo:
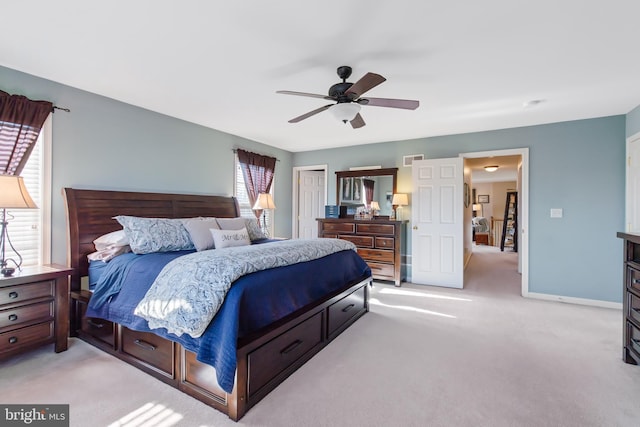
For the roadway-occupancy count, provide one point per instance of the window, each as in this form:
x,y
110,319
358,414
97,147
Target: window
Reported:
x,y
240,192
29,228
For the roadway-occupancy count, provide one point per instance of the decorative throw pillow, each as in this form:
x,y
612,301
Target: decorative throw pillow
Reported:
x,y
229,238
198,229
148,235
251,224
114,239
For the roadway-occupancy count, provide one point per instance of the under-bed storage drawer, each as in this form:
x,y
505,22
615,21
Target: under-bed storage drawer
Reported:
x,y
342,311
269,360
149,348
97,328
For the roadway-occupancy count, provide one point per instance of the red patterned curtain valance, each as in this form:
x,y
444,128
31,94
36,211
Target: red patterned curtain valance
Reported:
x,y
21,120
258,171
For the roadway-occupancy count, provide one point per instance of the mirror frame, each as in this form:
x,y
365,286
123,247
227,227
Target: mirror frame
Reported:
x,y
393,172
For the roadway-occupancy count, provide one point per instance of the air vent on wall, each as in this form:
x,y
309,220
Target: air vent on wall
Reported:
x,y
408,160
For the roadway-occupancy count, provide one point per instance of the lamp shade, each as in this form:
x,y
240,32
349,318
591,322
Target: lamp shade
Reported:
x,y
345,111
14,194
477,207
374,206
264,201
400,199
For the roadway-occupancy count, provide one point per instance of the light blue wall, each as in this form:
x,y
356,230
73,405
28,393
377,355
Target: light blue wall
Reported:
x,y
577,166
633,121
106,144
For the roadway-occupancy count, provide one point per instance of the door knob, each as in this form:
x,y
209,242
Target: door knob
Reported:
x,y
415,227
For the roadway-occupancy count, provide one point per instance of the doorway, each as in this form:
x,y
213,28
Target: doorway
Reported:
x,y
309,198
522,187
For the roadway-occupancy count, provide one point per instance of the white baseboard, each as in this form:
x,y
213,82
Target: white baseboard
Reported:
x,y
574,300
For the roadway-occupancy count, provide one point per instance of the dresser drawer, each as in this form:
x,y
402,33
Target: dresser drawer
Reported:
x,y
378,255
633,309
19,293
345,309
382,271
338,227
384,229
149,349
385,242
282,351
24,337
633,280
360,241
633,341
26,314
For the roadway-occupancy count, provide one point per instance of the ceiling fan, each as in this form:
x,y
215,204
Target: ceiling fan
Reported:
x,y
348,98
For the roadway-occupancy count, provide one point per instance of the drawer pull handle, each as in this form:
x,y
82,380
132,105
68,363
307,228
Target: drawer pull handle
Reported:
x,y
635,281
347,308
13,317
94,324
13,295
635,341
291,347
13,340
145,345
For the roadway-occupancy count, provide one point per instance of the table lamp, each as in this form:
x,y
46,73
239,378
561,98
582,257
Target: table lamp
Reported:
x,y
264,202
400,200
13,195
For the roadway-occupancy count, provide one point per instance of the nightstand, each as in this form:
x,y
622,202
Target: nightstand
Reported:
x,y
34,309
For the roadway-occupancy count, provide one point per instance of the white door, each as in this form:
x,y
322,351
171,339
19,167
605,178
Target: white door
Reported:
x,y
310,202
437,218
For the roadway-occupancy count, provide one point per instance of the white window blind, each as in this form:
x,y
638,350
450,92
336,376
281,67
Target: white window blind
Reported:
x,y
246,210
26,225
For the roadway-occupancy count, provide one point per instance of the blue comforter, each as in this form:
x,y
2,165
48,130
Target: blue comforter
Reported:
x,y
253,302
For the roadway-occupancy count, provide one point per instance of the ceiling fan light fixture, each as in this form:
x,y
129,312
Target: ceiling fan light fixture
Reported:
x,y
345,111
491,168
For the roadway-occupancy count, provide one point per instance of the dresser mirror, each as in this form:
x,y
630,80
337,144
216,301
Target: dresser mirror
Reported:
x,y
356,188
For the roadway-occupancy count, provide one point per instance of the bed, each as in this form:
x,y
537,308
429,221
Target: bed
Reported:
x,y
307,310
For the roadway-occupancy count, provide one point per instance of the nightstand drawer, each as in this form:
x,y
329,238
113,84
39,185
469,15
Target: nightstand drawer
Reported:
x,y
19,293
24,337
33,313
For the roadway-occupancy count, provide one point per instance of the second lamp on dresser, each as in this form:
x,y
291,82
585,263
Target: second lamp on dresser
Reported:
x,y
380,243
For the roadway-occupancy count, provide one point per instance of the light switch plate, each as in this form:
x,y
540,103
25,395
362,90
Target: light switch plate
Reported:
x,y
556,213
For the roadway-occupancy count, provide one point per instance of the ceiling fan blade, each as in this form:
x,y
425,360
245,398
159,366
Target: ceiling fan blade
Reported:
x,y
357,121
309,114
312,95
407,104
367,82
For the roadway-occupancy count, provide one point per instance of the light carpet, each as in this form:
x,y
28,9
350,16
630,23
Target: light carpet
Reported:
x,y
423,356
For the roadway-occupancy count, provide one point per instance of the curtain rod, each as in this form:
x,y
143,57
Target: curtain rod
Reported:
x,y
55,107
235,150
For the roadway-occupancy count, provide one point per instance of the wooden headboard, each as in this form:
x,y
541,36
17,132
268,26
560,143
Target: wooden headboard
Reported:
x,y
90,214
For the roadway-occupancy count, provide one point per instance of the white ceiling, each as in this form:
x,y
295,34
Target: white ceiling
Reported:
x,y
471,64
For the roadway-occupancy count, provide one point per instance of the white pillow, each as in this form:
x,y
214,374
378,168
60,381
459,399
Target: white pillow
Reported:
x,y
109,240
228,238
251,224
198,229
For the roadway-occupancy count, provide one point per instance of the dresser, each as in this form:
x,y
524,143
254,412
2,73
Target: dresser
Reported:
x,y
380,243
631,298
34,309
